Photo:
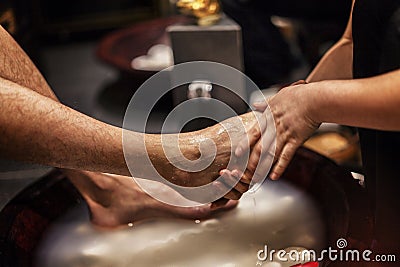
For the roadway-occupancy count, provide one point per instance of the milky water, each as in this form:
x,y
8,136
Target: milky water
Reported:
x,y
277,215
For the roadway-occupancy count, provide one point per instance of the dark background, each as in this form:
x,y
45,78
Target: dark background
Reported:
x,y
61,38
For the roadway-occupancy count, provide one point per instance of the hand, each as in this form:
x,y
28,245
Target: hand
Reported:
x,y
291,111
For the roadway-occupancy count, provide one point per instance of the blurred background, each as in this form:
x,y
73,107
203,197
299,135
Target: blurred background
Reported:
x,y
61,37
83,48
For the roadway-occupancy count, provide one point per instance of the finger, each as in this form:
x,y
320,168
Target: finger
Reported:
x,y
232,182
256,131
260,106
254,157
228,182
246,177
299,82
262,169
251,178
241,187
233,194
252,137
265,147
254,134
235,177
261,158
220,188
284,159
242,176
233,173
228,178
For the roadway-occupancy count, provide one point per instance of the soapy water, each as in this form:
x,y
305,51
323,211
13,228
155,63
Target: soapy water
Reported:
x,y
277,215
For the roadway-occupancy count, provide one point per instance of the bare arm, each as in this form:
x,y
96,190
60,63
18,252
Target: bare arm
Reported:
x,y
371,103
298,110
330,96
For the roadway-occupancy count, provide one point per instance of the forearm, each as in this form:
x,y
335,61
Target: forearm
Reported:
x,y
74,141
371,103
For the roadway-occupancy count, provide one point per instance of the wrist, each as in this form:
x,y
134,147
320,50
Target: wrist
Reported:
x,y
315,101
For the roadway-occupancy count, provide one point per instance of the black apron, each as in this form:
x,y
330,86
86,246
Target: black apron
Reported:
x,y
376,36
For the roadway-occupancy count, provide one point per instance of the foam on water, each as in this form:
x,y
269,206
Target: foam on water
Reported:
x,y
277,215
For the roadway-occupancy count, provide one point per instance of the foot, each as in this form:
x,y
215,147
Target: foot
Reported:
x,y
116,200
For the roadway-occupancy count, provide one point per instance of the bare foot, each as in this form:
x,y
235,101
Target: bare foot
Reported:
x,y
116,200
